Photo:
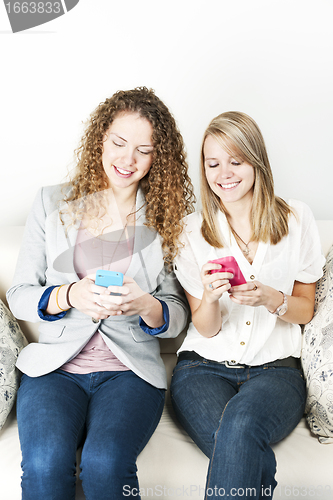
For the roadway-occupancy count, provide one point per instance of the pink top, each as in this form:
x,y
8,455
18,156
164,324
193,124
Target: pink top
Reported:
x,y
92,253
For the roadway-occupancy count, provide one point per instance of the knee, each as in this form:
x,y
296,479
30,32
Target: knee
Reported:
x,y
48,462
106,464
104,474
238,428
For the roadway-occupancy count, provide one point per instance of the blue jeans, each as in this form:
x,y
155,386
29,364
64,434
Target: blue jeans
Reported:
x,y
234,415
113,414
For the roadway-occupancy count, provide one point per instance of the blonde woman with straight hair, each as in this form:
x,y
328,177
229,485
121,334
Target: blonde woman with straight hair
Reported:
x,y
238,385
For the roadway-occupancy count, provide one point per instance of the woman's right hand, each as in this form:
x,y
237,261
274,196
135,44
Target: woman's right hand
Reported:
x,y
84,297
215,284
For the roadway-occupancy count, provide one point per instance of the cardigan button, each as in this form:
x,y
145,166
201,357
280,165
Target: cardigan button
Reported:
x,y
242,343
252,277
248,322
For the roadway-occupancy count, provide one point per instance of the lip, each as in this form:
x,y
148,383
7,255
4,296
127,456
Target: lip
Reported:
x,y
121,172
229,186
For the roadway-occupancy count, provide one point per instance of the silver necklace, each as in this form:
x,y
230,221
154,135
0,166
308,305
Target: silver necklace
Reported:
x,y
120,238
245,251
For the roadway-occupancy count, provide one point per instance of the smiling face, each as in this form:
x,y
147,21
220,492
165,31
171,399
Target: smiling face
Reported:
x,y
230,178
127,151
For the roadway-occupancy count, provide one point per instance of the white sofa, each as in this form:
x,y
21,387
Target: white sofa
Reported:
x,y
171,466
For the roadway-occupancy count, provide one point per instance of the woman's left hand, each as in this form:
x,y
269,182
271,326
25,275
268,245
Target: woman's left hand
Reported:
x,y
252,294
300,303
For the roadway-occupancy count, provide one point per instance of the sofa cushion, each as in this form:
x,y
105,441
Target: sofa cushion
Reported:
x,y
317,358
12,341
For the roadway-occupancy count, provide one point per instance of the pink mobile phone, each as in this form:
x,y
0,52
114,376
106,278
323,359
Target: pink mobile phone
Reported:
x,y
229,265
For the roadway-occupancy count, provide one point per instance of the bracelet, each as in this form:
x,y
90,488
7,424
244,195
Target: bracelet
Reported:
x,y
67,294
61,309
283,308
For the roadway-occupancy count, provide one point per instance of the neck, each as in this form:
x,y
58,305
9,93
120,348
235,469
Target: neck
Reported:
x,y
239,217
124,199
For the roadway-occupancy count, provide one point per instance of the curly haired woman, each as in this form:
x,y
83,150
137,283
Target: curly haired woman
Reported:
x,y
96,378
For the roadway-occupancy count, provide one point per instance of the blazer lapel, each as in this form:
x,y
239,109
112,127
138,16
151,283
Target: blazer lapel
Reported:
x,y
147,259
66,234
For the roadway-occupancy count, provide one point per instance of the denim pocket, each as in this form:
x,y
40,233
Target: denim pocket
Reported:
x,y
186,363
287,369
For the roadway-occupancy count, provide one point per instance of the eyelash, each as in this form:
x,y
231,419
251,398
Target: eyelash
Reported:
x,y
141,152
234,163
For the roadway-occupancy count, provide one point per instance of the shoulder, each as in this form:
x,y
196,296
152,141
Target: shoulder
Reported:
x,y
191,228
193,221
299,205
191,238
302,221
301,210
52,196
56,192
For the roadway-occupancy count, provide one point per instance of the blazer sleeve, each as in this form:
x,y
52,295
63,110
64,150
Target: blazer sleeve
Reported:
x,y
29,282
170,291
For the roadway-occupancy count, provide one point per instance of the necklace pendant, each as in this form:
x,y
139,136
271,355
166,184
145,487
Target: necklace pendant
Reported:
x,y
246,251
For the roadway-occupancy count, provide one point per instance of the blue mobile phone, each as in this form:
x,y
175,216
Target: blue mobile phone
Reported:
x,y
108,278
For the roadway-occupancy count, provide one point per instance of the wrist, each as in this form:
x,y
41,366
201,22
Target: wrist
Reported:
x,y
68,299
57,303
207,328
282,307
210,298
60,298
152,312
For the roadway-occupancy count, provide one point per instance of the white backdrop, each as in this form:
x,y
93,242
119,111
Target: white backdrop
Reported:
x,y
269,58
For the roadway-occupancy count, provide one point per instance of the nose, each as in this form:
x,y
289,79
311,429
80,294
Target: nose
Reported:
x,y
127,157
225,170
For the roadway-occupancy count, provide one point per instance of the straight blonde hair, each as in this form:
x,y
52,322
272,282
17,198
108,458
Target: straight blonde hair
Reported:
x,y
239,135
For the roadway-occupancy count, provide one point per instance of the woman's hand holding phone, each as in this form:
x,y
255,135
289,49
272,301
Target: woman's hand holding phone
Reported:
x,y
91,295
101,301
216,282
130,300
125,297
251,294
86,296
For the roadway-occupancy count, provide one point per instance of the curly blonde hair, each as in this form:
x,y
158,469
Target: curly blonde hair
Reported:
x,y
167,186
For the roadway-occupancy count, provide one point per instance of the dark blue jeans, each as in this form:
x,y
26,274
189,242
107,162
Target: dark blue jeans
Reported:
x,y
234,415
113,414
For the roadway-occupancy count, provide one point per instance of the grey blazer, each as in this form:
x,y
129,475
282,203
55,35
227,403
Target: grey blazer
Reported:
x,y
46,258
